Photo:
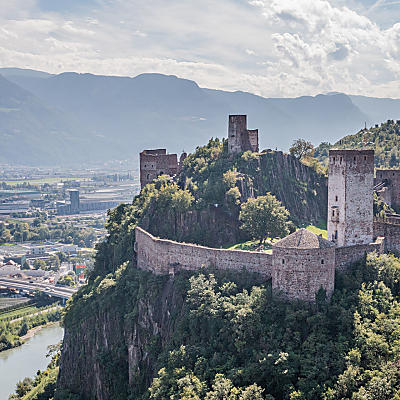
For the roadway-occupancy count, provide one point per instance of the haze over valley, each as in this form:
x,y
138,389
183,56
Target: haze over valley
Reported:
x,y
74,118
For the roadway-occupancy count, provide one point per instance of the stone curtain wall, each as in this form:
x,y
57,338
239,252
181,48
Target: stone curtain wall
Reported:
x,y
391,233
163,256
300,273
348,255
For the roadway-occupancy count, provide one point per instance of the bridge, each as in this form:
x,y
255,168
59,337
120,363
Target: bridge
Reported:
x,y
62,292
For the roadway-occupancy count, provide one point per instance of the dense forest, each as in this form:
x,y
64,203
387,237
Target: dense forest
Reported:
x,y
384,139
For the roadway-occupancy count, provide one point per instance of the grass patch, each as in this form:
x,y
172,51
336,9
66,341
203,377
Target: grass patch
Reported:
x,y
318,231
251,245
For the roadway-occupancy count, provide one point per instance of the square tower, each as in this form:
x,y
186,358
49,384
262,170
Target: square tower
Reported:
x,y
239,137
237,129
154,163
350,197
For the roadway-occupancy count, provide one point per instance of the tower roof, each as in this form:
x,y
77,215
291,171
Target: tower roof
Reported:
x,y
303,239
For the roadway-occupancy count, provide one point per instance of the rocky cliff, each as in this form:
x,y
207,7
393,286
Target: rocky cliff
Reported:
x,y
113,334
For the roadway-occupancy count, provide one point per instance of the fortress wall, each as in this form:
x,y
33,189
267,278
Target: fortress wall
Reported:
x,y
348,255
391,232
300,273
163,256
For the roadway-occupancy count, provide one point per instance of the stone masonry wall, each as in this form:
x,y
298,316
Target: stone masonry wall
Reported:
x,y
300,273
163,256
348,255
391,233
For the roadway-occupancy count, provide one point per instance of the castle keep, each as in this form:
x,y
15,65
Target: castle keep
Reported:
x,y
350,197
302,263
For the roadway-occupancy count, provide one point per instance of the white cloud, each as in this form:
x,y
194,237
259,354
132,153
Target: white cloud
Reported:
x,y
297,47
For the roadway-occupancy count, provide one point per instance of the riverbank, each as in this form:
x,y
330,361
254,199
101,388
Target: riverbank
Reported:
x,y
18,363
32,332
14,333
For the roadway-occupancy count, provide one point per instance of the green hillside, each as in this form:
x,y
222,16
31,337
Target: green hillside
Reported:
x,y
384,139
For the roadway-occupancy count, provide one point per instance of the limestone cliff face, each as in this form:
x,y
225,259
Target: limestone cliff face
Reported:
x,y
110,346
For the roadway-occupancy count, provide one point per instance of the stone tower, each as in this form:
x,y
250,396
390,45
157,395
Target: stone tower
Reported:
x,y
154,163
350,197
303,263
239,137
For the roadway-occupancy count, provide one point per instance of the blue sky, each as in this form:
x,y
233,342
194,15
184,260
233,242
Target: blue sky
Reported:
x,y
268,47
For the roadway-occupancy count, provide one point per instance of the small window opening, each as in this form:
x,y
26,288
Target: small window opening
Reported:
x,y
365,158
322,262
354,159
333,213
283,261
148,176
341,158
334,159
336,235
336,198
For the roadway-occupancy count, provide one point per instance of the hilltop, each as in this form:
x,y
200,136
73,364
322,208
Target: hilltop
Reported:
x,y
383,138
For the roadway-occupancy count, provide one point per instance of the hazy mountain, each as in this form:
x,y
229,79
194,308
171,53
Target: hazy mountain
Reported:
x,y
115,117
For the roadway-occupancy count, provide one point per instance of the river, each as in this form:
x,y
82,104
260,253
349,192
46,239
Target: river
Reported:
x,y
23,361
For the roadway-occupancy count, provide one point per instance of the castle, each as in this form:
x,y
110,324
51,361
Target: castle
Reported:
x,y
302,263
154,163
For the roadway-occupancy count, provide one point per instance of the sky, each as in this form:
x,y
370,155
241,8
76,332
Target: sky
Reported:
x,y
274,48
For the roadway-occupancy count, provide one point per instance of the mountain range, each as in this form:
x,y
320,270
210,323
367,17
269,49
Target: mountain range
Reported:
x,y
74,118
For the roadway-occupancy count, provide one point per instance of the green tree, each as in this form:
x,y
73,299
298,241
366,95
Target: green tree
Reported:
x,y
301,149
23,387
264,217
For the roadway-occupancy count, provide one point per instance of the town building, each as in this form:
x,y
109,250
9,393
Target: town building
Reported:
x,y
76,206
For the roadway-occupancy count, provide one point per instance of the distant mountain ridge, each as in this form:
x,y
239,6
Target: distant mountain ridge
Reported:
x,y
86,117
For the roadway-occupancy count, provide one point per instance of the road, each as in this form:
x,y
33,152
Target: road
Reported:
x,y
62,292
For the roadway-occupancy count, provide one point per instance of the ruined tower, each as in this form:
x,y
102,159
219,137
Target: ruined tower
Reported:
x,y
239,137
154,163
350,197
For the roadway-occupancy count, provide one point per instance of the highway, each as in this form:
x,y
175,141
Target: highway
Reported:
x,y
62,292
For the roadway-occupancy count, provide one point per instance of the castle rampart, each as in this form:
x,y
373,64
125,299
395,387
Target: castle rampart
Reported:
x,y
391,233
348,255
162,256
